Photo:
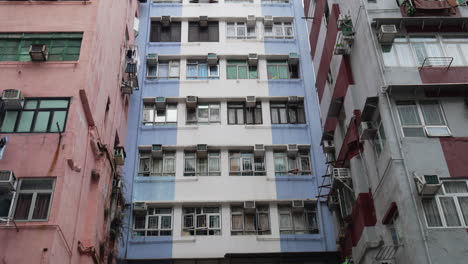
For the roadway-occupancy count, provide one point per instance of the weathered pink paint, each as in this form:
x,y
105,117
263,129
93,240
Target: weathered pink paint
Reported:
x,y
77,211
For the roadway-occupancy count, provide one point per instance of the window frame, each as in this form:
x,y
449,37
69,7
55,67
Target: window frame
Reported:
x,y
170,64
244,156
198,38
293,70
238,64
167,155
299,108
236,25
211,155
297,161
154,109
200,211
159,216
246,111
283,25
243,213
209,106
198,64
32,205
36,111
380,137
285,209
156,27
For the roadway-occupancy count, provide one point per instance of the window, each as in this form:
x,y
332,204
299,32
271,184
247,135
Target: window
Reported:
x,y
287,113
169,33
246,164
241,70
202,166
298,220
380,138
421,118
450,207
204,113
208,33
287,165
201,221
282,70
279,30
153,115
157,166
457,48
240,30
33,199
37,116
156,222
61,46
164,70
201,70
239,114
254,221
5,202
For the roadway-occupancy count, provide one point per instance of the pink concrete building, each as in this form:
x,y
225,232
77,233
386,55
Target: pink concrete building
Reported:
x,y
66,74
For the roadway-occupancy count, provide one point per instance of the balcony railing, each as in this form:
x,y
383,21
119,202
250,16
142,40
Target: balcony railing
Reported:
x,y
442,62
387,252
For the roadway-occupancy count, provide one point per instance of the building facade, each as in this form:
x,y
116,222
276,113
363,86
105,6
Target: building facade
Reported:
x,y
391,80
223,146
63,123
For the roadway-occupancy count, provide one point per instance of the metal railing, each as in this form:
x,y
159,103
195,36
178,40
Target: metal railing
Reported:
x,y
437,62
387,252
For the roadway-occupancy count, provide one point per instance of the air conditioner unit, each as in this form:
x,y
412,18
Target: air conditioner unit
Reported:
x,y
152,59
126,87
156,151
202,150
249,205
160,103
140,207
259,150
293,58
203,21
212,59
38,52
7,181
427,185
253,59
297,204
268,20
292,150
250,101
119,155
387,34
341,173
367,131
328,146
251,20
293,100
191,101
166,21
12,99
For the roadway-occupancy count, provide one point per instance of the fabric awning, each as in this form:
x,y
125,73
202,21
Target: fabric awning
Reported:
x,y
351,144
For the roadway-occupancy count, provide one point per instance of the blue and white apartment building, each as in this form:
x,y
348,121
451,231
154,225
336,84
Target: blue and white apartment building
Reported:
x,y
223,150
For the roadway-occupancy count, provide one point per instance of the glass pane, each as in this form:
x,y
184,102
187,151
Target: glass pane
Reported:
x,y
59,117
237,222
174,69
280,165
274,115
30,104
169,165
231,31
452,51
190,164
413,132
42,121
202,70
232,116
214,221
285,221
37,184
25,121
157,166
139,222
404,55
463,201
41,209
202,166
249,222
272,72
305,164
242,72
283,116
432,212
144,165
234,164
153,222
246,164
160,116
214,114
192,70
283,72
9,121
53,104
408,114
201,221
163,70
232,72
213,164
432,113
299,223
23,203
203,114
253,73
240,116
455,187
171,114
188,221
166,222
450,211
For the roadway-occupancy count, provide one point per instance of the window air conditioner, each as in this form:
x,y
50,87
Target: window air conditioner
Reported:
x,y
152,59
387,34
203,21
253,59
126,87
160,103
38,52
340,173
268,20
119,155
293,58
166,21
191,101
140,207
259,150
292,150
293,100
249,205
156,151
427,185
251,20
251,101
202,150
212,59
297,204
7,181
367,131
12,99
328,146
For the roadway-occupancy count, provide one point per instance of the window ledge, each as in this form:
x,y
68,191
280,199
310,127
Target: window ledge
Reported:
x,y
197,81
297,126
292,178
161,4
279,40
188,127
31,63
257,127
156,44
285,80
146,179
156,80
305,237
243,40
159,127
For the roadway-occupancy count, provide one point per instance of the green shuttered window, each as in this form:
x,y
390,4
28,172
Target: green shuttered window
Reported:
x,y
61,46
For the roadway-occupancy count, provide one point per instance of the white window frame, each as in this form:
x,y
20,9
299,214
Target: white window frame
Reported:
x,y
150,214
150,112
454,196
380,136
167,155
241,156
301,155
239,25
211,156
199,63
287,210
200,211
209,120
259,210
33,199
170,64
423,125
279,25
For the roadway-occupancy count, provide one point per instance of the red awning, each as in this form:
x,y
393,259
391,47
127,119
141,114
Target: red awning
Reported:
x,y
351,144
433,5
391,211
